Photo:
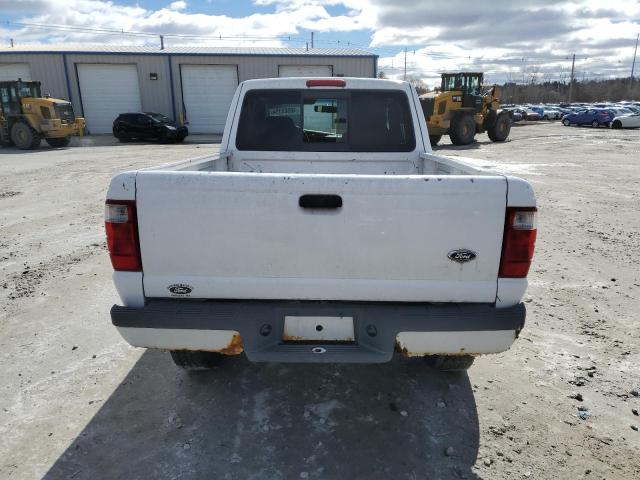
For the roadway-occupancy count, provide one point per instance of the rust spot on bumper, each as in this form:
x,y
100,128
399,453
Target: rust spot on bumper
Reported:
x,y
406,353
291,338
234,347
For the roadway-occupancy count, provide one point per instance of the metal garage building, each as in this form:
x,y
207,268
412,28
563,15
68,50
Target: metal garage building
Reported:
x,y
190,84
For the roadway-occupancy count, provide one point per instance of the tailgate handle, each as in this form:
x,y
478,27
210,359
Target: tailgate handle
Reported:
x,y
320,201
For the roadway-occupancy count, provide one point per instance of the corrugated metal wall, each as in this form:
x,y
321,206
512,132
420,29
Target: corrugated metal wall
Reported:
x,y
156,94
250,67
47,68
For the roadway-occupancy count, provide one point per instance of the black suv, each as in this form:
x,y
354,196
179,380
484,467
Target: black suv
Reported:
x,y
148,126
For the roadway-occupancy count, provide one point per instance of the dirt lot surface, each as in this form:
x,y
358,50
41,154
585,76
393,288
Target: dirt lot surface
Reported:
x,y
78,403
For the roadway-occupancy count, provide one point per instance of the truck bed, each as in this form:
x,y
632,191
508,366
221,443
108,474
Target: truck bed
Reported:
x,y
373,164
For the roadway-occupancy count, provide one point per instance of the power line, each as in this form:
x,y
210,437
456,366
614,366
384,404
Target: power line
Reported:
x,y
78,29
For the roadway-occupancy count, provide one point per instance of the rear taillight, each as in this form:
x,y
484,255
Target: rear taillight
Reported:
x,y
121,224
518,243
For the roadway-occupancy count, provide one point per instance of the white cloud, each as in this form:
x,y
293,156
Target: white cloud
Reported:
x,y
512,39
177,6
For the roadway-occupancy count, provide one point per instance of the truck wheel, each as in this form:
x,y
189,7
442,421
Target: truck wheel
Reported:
x,y
198,360
463,130
434,139
501,129
24,137
58,142
449,363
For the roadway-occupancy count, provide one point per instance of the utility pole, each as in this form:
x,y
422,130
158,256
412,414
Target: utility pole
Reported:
x,y
405,63
573,64
11,39
633,64
161,42
311,39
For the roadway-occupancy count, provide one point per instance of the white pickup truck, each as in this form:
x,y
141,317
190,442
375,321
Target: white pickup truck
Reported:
x,y
324,231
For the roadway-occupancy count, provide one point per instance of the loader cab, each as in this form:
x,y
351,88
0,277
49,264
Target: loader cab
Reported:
x,y
11,94
464,81
469,84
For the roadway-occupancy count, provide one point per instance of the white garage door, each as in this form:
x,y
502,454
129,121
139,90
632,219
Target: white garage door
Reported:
x,y
207,91
305,71
14,71
107,91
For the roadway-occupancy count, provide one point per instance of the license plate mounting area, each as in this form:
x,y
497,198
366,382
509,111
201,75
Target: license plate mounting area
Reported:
x,y
318,329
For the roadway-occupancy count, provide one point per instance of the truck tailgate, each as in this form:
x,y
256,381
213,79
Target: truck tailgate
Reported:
x,y
245,236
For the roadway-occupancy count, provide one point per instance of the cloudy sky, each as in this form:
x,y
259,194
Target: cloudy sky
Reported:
x,y
509,39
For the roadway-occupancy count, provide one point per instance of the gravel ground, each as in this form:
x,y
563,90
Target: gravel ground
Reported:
x,y
78,403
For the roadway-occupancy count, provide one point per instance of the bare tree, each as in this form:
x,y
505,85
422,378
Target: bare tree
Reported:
x,y
612,90
418,84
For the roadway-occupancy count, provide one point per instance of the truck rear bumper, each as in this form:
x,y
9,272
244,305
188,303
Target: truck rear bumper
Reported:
x,y
257,327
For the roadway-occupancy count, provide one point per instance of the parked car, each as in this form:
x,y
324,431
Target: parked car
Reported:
x,y
593,116
536,108
528,114
546,112
551,114
514,113
565,111
148,126
626,121
621,111
310,238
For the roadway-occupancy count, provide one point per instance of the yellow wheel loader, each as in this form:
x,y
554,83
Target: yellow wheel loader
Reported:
x,y
464,107
26,117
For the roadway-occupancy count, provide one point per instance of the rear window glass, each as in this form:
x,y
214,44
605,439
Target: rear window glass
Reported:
x,y
325,120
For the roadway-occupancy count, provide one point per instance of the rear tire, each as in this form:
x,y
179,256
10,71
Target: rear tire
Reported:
x,y
58,142
500,130
617,124
195,360
463,130
449,363
121,136
595,124
434,139
24,137
566,122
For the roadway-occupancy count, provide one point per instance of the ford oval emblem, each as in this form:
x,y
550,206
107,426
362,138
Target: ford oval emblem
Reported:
x,y
180,289
461,255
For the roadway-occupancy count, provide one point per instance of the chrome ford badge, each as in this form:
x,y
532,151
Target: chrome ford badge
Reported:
x,y
180,289
461,255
